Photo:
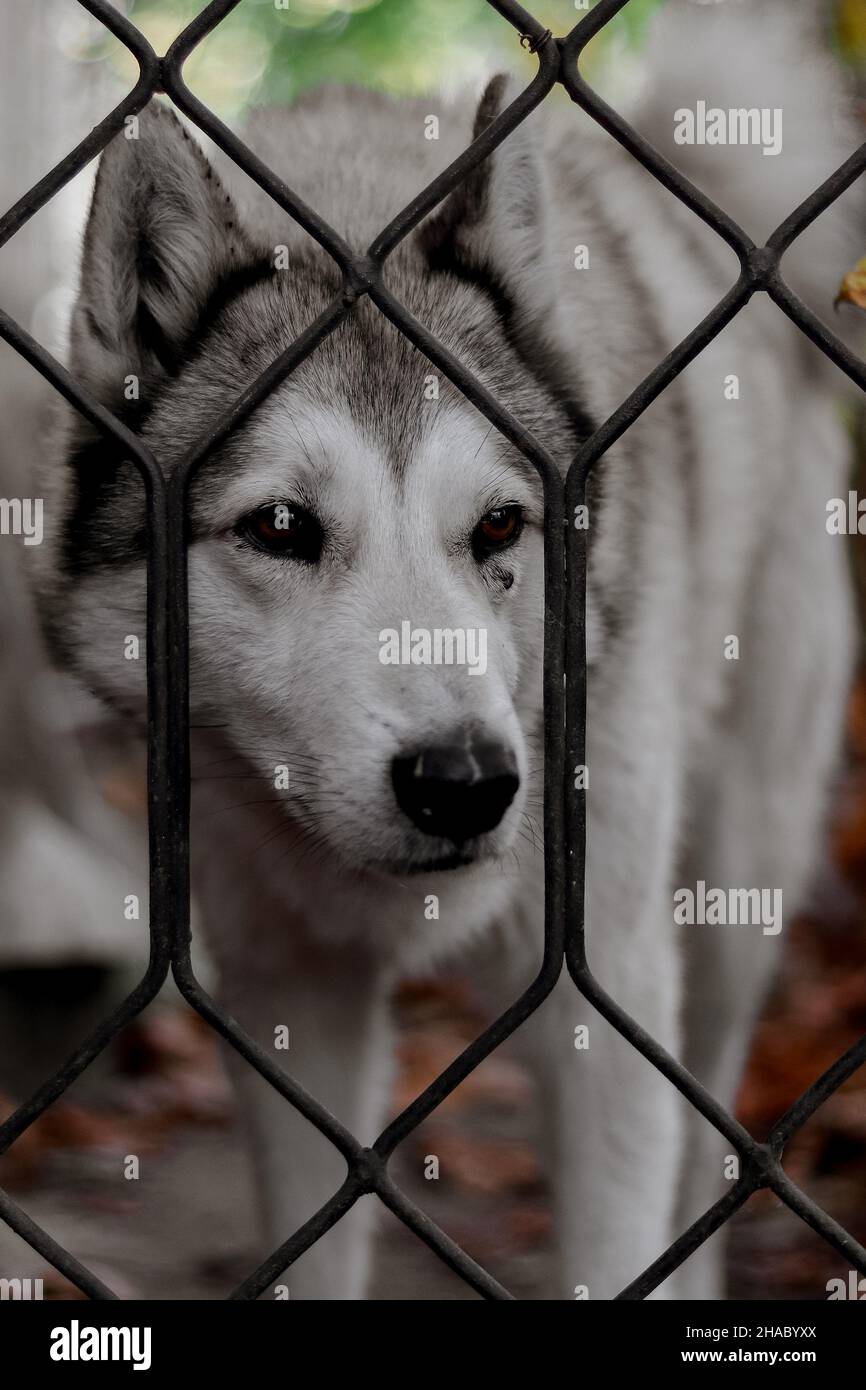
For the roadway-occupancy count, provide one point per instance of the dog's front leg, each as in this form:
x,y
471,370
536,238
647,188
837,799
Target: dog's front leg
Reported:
x,y
332,1012
614,1124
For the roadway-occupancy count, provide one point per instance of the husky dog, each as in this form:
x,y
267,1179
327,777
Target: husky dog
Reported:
x,y
357,814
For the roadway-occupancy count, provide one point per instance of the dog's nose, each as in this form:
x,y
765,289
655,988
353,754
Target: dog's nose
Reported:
x,y
456,792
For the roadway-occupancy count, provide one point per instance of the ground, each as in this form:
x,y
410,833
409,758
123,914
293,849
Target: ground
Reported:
x,y
185,1229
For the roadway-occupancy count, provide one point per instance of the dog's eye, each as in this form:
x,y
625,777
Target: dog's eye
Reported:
x,y
283,529
497,530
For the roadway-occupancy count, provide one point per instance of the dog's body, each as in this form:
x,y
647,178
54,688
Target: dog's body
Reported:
x,y
707,524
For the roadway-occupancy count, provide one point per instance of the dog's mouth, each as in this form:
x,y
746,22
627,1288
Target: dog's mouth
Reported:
x,y
411,868
444,864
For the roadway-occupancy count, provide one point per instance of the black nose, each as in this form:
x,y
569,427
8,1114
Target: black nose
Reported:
x,y
456,792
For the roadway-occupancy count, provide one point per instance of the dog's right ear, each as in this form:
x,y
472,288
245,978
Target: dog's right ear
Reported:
x,y
496,221
161,235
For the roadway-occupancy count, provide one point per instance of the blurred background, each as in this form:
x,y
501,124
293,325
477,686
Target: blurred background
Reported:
x,y
72,827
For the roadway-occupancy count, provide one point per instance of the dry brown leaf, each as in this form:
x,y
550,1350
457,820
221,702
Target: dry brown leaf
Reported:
x,y
853,287
489,1167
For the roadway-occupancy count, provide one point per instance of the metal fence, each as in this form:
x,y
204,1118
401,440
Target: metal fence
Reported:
x,y
564,649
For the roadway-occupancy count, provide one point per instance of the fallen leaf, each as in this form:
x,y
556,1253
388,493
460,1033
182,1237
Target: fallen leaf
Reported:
x,y
492,1167
853,287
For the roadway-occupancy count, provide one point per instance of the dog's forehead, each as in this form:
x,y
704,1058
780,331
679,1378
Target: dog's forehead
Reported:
x,y
452,459
365,409
394,395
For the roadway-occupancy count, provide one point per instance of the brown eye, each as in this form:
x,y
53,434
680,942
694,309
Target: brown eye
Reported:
x,y
497,530
283,530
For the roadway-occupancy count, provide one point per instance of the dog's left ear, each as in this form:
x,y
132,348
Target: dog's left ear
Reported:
x,y
495,222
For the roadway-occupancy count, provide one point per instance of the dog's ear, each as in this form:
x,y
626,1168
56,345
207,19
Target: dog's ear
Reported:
x,y
162,234
495,222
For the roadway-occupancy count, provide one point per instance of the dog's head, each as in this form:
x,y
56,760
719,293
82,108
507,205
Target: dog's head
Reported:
x,y
365,551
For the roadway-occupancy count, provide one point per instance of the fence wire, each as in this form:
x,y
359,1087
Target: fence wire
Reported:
x,y
564,649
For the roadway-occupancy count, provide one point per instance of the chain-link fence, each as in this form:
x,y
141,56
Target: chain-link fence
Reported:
x,y
564,648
